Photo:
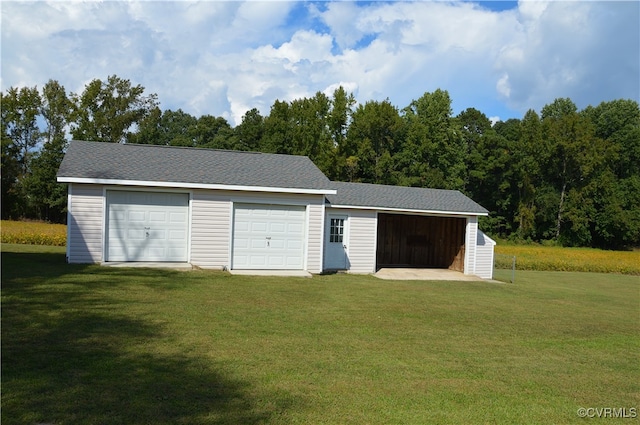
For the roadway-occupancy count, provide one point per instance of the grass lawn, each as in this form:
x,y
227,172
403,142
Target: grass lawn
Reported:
x,y
83,344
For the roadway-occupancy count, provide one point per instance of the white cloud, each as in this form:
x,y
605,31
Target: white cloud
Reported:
x,y
568,49
223,58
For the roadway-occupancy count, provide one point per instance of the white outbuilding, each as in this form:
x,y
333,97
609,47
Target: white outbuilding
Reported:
x,y
256,211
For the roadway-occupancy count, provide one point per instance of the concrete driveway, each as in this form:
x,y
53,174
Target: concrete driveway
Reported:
x,y
424,274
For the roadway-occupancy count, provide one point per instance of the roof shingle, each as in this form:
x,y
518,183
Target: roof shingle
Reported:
x,y
152,163
402,198
197,166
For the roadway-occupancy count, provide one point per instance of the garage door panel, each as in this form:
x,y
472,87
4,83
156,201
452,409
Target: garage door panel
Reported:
x,y
278,227
258,244
295,228
268,236
135,234
156,234
277,261
136,216
177,235
147,226
259,226
178,218
292,244
277,244
157,216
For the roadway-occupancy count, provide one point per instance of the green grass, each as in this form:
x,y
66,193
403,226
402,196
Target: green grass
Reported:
x,y
83,344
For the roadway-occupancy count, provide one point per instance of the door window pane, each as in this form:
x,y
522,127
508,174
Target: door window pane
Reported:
x,y
336,230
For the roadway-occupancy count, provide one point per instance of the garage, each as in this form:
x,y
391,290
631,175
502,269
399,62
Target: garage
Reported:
x,y
420,241
268,237
147,226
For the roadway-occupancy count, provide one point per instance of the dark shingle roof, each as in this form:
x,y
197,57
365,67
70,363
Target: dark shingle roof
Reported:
x,y
162,164
402,198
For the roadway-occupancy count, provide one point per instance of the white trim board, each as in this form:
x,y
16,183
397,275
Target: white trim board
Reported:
x,y
183,185
411,211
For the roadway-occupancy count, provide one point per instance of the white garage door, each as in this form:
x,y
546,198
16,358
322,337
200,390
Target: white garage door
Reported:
x,y
147,226
268,237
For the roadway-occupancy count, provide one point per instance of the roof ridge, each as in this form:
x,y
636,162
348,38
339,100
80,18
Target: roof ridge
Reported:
x,y
399,186
149,145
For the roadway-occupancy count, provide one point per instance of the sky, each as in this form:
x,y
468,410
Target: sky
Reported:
x,y
223,58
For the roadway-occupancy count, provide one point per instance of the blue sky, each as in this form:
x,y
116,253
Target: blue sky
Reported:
x,y
224,58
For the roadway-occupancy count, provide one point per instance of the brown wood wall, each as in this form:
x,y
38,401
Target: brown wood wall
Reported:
x,y
419,241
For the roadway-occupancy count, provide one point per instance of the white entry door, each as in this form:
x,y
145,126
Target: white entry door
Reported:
x,y
268,237
336,242
147,226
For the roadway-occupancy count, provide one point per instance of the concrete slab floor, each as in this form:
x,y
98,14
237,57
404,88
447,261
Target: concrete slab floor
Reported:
x,y
424,274
149,264
284,273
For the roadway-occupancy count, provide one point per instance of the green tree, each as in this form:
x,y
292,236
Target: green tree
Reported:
x,y
213,132
108,111
150,130
46,196
11,195
615,192
311,133
20,136
489,174
434,155
20,109
250,131
56,109
531,153
278,134
373,138
342,103
576,156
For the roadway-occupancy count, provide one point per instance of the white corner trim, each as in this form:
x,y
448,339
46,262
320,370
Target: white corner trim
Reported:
x,y
119,182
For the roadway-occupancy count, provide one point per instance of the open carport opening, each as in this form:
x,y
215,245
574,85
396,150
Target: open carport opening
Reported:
x,y
420,242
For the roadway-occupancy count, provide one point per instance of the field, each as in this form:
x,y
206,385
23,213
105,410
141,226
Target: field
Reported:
x,y
33,232
87,344
555,258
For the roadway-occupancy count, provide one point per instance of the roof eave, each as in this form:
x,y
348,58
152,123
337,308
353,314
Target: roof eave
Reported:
x,y
184,185
412,211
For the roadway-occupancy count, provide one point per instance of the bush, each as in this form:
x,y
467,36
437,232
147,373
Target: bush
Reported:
x,y
33,233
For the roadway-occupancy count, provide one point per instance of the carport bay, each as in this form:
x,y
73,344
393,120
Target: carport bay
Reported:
x,y
420,241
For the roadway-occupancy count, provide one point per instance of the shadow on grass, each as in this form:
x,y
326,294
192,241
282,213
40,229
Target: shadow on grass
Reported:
x,y
74,358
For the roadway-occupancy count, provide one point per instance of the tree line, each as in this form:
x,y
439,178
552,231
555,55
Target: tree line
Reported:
x,y
564,175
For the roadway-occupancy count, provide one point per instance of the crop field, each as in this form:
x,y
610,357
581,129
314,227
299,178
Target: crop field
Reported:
x,y
33,233
553,258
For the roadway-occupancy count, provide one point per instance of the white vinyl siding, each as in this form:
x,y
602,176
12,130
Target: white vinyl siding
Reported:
x,y
210,229
85,221
211,223
361,238
363,228
315,237
470,245
484,256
